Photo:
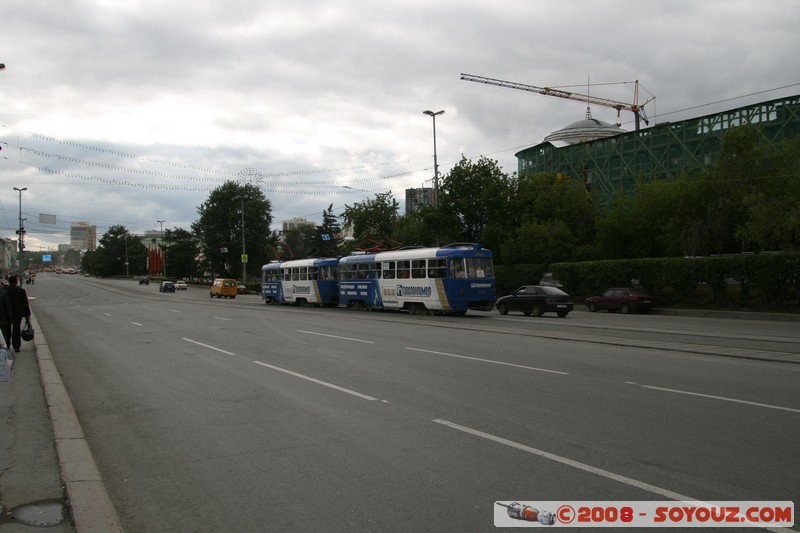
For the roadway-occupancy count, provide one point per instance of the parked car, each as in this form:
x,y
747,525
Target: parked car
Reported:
x,y
622,299
180,285
144,280
166,286
536,300
242,289
223,288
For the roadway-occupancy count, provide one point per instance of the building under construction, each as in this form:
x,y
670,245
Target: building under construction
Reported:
x,y
608,159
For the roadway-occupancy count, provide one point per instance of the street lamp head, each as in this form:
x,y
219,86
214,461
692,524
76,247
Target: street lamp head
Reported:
x,y
2,66
20,190
431,113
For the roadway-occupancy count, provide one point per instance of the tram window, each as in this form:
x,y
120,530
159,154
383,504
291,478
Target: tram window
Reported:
x,y
437,268
295,273
388,270
418,268
479,267
303,273
287,274
375,270
363,271
403,270
313,273
457,268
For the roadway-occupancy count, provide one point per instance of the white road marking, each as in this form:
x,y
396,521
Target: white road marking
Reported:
x,y
317,381
174,311
723,398
489,361
221,318
568,462
137,324
666,493
208,346
335,336
107,314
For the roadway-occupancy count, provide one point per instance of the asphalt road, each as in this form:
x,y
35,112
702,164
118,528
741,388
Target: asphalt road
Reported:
x,y
231,415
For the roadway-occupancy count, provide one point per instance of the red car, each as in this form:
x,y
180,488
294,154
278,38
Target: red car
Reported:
x,y
622,299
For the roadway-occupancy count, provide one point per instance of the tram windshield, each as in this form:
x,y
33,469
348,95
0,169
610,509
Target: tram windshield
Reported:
x,y
471,267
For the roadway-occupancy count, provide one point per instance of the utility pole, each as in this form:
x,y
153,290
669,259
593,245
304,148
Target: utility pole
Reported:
x,y
163,250
244,249
21,232
435,160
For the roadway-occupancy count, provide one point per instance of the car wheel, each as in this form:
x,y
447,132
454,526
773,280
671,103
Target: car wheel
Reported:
x,y
625,309
502,309
592,307
536,310
562,314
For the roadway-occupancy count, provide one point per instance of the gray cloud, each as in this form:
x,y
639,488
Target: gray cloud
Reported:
x,y
337,88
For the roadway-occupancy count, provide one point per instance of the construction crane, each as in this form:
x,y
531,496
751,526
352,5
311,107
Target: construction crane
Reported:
x,y
635,107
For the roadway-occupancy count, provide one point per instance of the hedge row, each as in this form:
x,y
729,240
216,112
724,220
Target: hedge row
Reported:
x,y
750,280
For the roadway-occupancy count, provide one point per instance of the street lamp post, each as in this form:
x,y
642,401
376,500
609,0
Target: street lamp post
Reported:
x,y
21,232
244,250
163,250
435,160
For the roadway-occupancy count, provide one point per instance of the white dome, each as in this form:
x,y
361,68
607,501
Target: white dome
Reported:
x,y
588,129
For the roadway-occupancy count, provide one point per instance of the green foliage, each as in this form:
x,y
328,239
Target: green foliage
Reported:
x,y
220,234
116,247
426,227
328,236
758,279
477,197
372,219
298,243
181,253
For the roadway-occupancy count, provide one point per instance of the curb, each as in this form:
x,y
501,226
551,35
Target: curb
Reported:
x,y
90,506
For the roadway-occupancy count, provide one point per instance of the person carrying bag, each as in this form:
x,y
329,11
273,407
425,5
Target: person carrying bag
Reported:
x,y
20,309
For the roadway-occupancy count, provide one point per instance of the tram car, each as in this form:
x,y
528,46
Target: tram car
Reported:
x,y
449,279
305,282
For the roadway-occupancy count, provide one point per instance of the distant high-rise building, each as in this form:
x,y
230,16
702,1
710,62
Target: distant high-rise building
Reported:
x,y
82,236
297,223
416,198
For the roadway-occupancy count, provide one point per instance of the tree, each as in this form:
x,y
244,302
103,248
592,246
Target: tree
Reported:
x,y
427,226
548,202
182,253
328,236
372,219
299,243
540,243
477,196
117,247
219,230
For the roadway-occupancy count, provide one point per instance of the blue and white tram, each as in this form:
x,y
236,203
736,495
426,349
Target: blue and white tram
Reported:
x,y
449,279
301,282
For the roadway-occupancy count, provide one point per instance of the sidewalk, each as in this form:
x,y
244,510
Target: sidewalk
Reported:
x,y
48,478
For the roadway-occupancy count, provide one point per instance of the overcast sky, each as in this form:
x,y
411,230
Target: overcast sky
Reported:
x,y
132,111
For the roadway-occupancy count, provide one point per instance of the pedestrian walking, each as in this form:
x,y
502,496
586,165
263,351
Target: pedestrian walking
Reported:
x,y
19,309
6,315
